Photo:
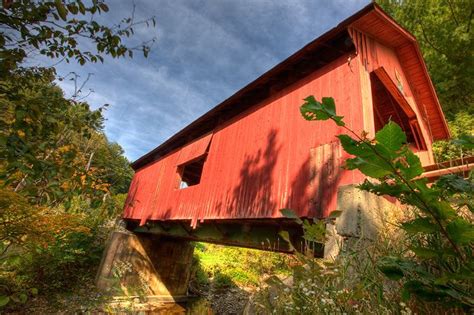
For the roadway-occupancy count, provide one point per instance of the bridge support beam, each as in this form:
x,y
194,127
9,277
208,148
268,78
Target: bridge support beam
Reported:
x,y
136,264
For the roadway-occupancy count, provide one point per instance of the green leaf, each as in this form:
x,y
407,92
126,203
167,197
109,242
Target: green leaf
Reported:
x,y
104,7
420,225
392,137
72,8
34,291
405,295
461,231
443,209
82,8
286,236
4,300
412,168
290,214
391,270
423,252
338,120
455,183
335,214
329,105
372,166
425,291
466,141
352,146
314,110
62,11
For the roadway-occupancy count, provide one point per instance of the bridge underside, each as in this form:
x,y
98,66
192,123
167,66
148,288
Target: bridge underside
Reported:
x,y
156,259
263,234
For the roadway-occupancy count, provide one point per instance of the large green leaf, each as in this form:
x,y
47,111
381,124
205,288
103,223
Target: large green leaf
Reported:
x,y
461,231
424,252
420,225
443,209
354,147
4,300
412,168
314,110
289,213
372,166
391,269
329,105
392,137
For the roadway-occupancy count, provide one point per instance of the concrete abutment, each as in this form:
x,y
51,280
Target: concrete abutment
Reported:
x,y
364,218
136,264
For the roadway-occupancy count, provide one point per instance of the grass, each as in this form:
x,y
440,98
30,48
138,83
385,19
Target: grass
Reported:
x,y
226,266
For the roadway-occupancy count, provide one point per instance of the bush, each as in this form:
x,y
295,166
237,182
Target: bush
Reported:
x,y
47,250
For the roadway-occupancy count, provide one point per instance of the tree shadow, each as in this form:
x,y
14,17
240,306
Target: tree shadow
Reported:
x,y
252,196
314,188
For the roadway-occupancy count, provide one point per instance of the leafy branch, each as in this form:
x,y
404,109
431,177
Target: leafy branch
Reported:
x,y
55,29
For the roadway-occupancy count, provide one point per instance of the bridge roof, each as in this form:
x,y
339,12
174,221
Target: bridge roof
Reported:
x,y
315,55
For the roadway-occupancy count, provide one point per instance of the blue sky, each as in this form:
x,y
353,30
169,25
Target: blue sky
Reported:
x,y
205,51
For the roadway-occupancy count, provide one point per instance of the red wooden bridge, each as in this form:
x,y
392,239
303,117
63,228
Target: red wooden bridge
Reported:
x,y
225,177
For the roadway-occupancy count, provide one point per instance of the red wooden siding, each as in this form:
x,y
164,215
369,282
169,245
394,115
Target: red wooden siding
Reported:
x,y
385,63
261,161
398,43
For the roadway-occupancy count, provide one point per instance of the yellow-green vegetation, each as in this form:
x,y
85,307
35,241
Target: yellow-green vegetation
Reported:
x,y
62,183
351,284
226,266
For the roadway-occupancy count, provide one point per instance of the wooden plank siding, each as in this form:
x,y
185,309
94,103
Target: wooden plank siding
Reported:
x,y
259,162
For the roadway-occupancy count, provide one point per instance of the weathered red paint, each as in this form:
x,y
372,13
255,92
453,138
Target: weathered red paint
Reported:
x,y
267,157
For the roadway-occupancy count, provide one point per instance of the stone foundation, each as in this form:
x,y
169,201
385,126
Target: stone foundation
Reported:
x,y
365,216
145,265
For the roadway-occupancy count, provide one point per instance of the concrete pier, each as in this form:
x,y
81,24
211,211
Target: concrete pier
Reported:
x,y
136,264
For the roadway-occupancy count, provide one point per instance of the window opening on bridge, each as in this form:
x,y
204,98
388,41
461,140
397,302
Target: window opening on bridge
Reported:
x,y
387,108
191,172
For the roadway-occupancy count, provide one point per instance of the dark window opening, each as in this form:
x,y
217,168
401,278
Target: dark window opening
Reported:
x,y
191,172
386,108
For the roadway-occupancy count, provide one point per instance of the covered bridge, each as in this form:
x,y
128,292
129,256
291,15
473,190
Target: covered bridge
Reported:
x,y
225,177
253,154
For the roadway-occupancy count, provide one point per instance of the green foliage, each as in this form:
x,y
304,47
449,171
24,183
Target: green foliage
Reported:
x,y
439,265
223,266
56,29
59,177
53,148
443,29
314,110
62,183
462,130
